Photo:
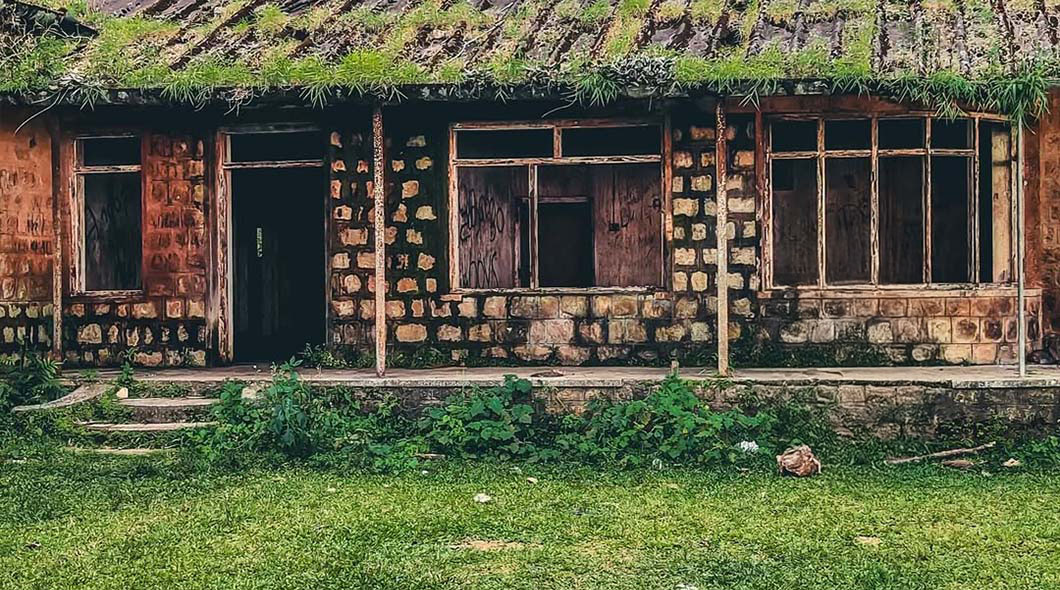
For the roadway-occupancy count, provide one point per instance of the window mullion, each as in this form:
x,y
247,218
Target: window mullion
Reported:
x,y
821,238
973,208
532,184
874,206
927,201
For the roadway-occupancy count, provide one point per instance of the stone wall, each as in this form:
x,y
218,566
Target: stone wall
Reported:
x,y
575,328
27,236
167,323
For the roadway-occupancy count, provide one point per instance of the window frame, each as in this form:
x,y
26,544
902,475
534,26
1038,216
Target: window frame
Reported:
x,y
557,158
820,155
78,172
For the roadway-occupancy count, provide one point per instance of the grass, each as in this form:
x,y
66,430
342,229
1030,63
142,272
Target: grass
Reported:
x,y
90,523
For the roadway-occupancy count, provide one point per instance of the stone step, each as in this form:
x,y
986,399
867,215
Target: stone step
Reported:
x,y
167,409
146,427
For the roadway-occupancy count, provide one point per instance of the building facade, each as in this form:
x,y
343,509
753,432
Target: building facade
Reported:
x,y
852,230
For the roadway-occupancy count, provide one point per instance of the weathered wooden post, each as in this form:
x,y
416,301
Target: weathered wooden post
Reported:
x,y
379,221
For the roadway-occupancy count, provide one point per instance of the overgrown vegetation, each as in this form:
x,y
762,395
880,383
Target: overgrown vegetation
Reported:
x,y
28,377
137,53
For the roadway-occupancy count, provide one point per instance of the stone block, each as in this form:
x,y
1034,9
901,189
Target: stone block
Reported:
x,y
680,281
741,307
880,332
682,159
351,283
623,306
407,285
956,353
340,260
572,355
965,330
686,207
656,308
353,236
685,308
601,305
699,231
480,333
743,255
822,331
494,307
424,163
992,330
144,310
741,205
699,281
416,141
449,333
532,352
366,259
795,332
410,333
413,237
343,307
700,332
174,308
706,159
909,330
574,306
87,334
894,307
397,165
984,354
671,333
551,331
424,261
701,133
410,188
702,183
958,306
468,307
621,331
426,213
591,332
684,256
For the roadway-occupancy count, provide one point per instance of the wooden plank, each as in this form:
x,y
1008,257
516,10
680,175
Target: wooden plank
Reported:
x,y
721,174
379,221
626,224
666,217
763,211
562,123
487,231
532,189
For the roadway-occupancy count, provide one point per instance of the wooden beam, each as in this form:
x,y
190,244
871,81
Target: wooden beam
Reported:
x,y
1021,266
379,215
57,231
721,171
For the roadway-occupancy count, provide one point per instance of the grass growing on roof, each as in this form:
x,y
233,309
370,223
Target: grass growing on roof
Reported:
x,y
76,521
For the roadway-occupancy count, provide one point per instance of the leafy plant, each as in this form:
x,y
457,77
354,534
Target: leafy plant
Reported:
x,y
671,425
502,420
28,377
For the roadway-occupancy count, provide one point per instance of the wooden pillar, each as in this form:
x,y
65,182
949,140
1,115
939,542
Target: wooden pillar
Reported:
x,y
1021,267
57,241
379,216
721,163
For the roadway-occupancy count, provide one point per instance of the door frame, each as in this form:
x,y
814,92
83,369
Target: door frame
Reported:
x,y
221,314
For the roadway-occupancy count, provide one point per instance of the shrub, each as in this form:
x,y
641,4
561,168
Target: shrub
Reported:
x,y
503,421
671,425
29,377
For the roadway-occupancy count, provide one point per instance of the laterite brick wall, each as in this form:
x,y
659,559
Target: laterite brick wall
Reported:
x,y
166,325
27,233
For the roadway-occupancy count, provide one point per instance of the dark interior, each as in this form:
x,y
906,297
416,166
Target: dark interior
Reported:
x,y
278,243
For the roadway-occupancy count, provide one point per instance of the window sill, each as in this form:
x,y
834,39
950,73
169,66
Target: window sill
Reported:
x,y
898,291
103,296
527,291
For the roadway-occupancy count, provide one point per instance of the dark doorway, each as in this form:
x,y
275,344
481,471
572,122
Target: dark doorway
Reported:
x,y
278,244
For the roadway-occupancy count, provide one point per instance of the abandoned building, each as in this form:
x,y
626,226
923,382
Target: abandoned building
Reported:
x,y
631,218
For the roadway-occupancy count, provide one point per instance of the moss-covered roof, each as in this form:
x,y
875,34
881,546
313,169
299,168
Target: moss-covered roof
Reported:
x,y
990,51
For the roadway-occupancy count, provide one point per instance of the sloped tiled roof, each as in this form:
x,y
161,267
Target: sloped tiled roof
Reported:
x,y
435,41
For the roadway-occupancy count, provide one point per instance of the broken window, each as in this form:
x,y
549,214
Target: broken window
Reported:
x,y
108,180
581,215
890,201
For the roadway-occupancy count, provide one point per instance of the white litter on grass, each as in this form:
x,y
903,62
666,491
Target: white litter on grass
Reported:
x,y
482,498
747,446
531,480
687,587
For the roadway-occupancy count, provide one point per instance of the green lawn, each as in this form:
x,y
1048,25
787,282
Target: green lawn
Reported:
x,y
87,523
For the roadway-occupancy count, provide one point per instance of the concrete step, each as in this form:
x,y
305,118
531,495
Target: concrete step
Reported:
x,y
168,409
84,393
146,427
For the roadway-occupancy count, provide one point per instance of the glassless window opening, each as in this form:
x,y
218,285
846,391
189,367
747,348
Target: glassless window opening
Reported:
x,y
109,195
890,201
556,205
